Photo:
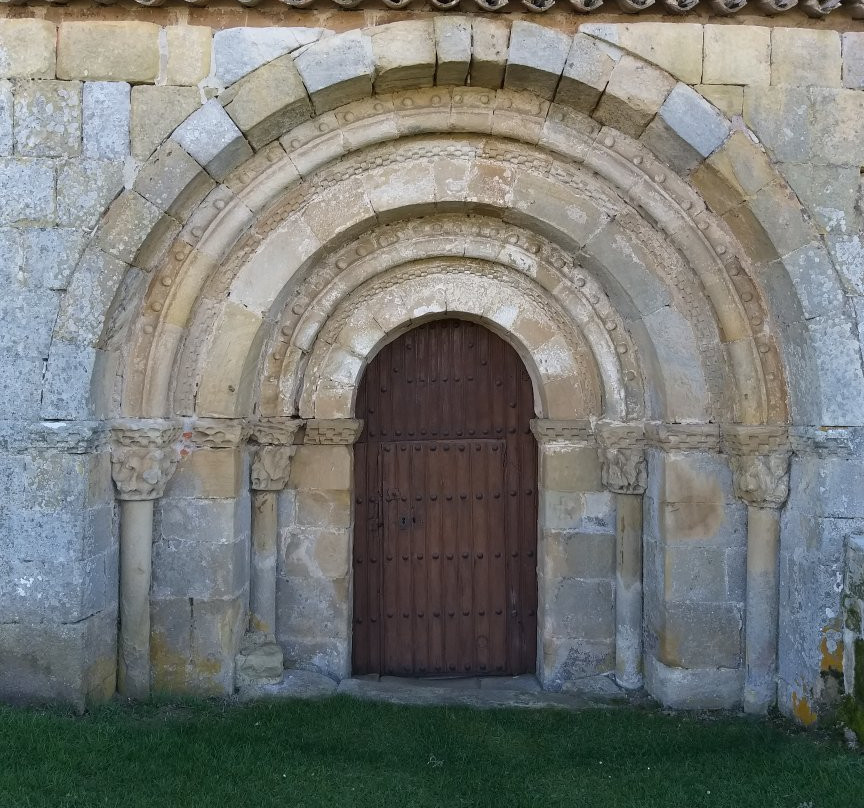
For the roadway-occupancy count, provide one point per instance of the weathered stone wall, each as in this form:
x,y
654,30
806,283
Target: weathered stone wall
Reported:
x,y
83,108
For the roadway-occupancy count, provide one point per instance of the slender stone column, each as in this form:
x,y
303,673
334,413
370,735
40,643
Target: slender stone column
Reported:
x,y
143,458
260,659
760,468
624,472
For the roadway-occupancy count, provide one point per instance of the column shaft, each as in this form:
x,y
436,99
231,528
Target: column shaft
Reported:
x,y
760,639
262,597
136,542
628,591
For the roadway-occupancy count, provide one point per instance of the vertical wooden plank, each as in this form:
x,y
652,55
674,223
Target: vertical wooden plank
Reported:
x,y
435,550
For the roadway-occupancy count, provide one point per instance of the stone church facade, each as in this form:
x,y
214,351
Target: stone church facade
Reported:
x,y
213,219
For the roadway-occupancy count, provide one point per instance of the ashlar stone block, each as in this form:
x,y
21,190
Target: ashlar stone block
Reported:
x,y
586,73
453,49
536,58
85,188
5,118
633,96
189,48
737,54
108,51
107,112
157,112
213,139
404,54
853,60
27,191
48,119
50,255
676,47
805,57
728,98
239,51
337,70
27,49
270,102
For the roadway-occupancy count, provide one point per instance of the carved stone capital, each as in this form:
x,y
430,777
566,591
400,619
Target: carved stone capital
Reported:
x,y
275,431
333,431
218,433
623,471
271,466
548,431
144,455
761,480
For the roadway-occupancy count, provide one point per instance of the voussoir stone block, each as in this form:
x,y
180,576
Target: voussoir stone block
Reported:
x,y
27,49
126,225
686,130
157,112
489,42
269,102
453,49
737,54
189,48
586,74
108,51
728,98
172,181
213,139
633,96
337,70
536,58
805,57
6,105
48,118
404,54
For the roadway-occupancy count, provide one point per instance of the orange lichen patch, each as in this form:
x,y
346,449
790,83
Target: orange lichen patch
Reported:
x,y
803,711
832,660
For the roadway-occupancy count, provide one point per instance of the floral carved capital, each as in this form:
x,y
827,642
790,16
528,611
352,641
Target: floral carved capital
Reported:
x,y
761,480
144,455
271,466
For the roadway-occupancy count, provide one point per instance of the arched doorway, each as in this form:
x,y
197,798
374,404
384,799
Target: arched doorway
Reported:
x,y
445,535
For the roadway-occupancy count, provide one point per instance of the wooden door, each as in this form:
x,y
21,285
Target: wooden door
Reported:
x,y
445,537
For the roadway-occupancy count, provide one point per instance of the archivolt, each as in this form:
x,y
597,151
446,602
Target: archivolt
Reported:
x,y
664,279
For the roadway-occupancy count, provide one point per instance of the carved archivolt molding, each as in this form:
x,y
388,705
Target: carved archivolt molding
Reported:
x,y
554,352
332,431
144,455
271,466
592,169
515,251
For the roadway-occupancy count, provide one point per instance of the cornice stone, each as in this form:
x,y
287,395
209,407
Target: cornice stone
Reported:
x,y
548,430
144,455
218,433
332,431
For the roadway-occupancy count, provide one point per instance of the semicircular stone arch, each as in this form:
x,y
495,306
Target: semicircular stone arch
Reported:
x,y
222,284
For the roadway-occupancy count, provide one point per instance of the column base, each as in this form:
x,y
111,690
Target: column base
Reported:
x,y
259,662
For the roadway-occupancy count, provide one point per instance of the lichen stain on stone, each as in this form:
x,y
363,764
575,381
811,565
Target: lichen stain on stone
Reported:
x,y
832,659
802,710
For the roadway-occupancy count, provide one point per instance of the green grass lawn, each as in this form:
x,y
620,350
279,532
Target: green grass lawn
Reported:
x,y
342,752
